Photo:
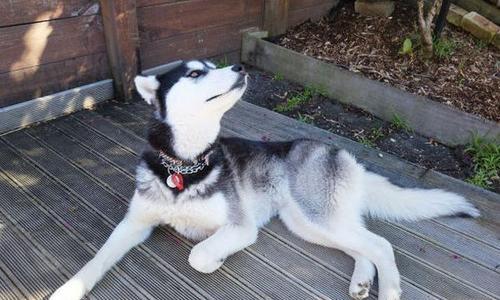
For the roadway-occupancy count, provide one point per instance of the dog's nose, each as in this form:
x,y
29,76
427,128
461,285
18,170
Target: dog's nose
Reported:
x,y
238,68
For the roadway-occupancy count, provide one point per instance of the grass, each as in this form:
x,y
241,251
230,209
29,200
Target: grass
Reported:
x,y
444,48
486,158
376,134
366,141
299,99
222,63
305,118
399,123
481,44
278,77
372,137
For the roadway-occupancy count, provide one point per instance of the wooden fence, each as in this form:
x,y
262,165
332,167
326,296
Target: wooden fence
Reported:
x,y
52,45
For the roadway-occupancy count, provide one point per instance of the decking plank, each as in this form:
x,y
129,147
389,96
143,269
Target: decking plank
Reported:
x,y
8,289
485,286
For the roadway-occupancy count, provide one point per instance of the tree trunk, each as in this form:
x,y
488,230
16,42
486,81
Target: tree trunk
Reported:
x,y
425,25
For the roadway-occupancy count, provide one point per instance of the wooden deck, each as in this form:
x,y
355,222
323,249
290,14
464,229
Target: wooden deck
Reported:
x,y
64,185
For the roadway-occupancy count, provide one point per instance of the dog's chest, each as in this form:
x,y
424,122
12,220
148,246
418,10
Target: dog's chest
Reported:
x,y
204,214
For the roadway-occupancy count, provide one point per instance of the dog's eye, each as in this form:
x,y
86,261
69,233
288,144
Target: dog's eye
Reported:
x,y
194,74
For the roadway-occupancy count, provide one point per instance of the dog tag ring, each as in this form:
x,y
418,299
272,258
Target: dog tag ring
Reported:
x,y
175,181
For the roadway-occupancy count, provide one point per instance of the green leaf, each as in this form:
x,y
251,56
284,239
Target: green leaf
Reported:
x,y
407,47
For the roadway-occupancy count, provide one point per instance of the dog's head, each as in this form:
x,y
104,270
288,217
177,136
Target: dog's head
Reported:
x,y
194,89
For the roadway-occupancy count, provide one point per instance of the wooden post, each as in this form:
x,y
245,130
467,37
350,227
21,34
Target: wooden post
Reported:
x,y
276,17
122,39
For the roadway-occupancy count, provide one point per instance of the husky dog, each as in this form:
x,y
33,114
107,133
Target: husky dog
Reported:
x,y
222,190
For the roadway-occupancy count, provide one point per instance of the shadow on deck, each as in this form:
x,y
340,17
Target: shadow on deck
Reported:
x,y
64,185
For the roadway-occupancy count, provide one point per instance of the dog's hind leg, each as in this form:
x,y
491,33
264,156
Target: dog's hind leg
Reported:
x,y
130,232
362,277
360,241
355,240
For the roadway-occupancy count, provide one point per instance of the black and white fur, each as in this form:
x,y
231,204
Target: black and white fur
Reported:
x,y
321,194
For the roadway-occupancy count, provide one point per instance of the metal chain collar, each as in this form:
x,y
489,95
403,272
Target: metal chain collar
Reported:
x,y
177,166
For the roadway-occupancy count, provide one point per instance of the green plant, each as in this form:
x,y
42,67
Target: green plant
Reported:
x,y
317,90
444,48
291,103
304,118
481,44
298,99
372,137
399,123
376,134
278,77
486,158
407,48
222,63
366,141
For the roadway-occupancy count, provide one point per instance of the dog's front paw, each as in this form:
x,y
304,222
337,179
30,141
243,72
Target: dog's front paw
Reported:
x,y
203,261
74,289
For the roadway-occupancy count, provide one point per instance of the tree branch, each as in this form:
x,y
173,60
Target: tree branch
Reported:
x,y
432,12
421,20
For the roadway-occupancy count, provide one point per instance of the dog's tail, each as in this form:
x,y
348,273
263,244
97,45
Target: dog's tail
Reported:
x,y
388,201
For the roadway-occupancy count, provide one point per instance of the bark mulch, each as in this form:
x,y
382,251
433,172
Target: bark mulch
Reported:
x,y
466,75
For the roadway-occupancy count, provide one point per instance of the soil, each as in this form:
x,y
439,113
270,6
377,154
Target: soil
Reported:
x,y
268,90
466,76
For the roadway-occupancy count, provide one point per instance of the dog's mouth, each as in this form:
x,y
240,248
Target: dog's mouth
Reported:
x,y
240,83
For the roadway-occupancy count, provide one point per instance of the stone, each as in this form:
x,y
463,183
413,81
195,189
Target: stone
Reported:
x,y
455,15
482,7
381,8
479,26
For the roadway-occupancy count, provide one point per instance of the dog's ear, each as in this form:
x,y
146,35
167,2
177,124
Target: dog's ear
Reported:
x,y
147,86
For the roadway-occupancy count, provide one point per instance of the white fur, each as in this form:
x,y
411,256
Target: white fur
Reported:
x,y
195,124
390,202
147,86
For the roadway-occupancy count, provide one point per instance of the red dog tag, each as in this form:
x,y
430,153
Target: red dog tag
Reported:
x,y
176,180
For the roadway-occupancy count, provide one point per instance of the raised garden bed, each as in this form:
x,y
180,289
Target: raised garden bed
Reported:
x,y
464,72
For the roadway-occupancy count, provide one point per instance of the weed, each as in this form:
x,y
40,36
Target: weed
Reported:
x,y
481,44
486,158
376,134
292,103
372,137
222,63
304,118
444,48
366,141
399,123
299,99
407,48
278,77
